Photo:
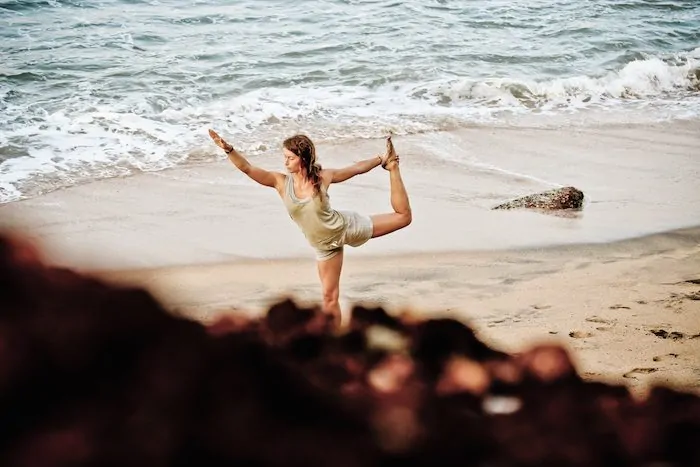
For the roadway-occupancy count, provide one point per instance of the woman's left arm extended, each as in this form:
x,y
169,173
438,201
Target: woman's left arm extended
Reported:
x,y
361,167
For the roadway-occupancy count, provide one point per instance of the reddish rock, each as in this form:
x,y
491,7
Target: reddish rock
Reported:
x,y
552,200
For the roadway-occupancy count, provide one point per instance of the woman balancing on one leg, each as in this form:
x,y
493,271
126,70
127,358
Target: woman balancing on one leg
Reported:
x,y
304,191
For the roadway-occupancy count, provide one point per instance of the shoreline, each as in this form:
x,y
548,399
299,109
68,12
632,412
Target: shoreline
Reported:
x,y
636,180
205,240
586,119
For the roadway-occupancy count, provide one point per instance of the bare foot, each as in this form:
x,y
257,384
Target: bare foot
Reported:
x,y
390,159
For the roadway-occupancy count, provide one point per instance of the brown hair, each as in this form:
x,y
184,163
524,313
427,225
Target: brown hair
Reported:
x,y
302,146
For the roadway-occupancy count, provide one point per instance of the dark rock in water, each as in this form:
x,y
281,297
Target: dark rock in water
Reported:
x,y
561,198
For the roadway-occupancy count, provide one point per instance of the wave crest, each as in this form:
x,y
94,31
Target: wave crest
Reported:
x,y
638,79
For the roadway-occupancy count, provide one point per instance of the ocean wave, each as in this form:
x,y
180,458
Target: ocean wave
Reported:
x,y
21,6
638,79
20,77
654,5
95,133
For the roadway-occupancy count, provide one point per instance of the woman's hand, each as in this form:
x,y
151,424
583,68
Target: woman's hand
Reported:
x,y
219,141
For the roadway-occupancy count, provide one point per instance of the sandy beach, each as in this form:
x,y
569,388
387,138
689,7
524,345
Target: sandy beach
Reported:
x,y
618,283
628,311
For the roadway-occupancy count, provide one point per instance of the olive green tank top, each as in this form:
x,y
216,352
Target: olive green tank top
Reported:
x,y
322,226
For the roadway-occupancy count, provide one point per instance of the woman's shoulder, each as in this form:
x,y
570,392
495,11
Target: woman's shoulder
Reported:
x,y
326,177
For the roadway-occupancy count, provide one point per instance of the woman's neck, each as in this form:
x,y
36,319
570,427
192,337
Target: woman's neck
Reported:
x,y
300,176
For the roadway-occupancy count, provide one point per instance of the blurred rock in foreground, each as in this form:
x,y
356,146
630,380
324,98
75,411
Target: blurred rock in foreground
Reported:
x,y
94,375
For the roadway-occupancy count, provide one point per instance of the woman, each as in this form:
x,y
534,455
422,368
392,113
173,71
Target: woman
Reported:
x,y
304,192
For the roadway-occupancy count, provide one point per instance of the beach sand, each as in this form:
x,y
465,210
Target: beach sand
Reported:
x,y
604,302
617,283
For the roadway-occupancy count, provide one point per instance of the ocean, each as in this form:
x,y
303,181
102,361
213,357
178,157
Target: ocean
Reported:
x,y
112,88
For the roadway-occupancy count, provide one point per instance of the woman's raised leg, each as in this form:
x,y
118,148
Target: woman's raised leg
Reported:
x,y
383,224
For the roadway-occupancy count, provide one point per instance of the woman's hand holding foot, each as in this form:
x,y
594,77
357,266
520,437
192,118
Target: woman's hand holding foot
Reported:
x,y
391,159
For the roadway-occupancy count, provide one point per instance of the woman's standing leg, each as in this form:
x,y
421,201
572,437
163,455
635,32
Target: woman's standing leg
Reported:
x,y
329,273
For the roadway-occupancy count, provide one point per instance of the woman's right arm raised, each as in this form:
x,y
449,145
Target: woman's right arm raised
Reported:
x,y
262,176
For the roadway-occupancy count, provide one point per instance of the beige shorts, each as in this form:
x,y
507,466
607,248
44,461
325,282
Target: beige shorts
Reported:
x,y
358,229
